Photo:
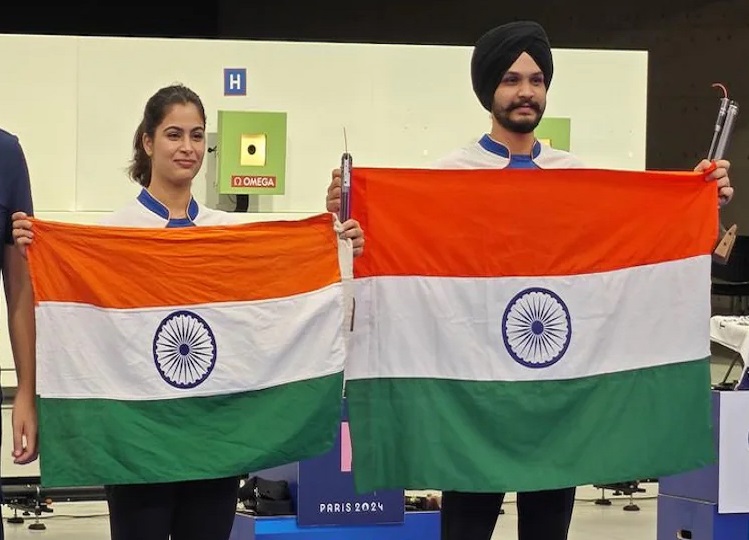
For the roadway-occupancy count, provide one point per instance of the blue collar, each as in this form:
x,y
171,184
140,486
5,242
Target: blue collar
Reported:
x,y
490,145
153,204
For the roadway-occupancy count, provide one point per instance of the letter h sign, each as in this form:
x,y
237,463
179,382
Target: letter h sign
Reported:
x,y
235,82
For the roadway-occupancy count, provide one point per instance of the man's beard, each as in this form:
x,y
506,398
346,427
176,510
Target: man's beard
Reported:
x,y
527,125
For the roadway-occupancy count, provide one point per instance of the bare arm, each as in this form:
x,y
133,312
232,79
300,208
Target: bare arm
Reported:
x,y
21,325
20,299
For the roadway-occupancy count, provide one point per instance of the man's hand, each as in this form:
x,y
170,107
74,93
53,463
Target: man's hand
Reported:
x,y
25,448
720,174
333,200
352,230
22,233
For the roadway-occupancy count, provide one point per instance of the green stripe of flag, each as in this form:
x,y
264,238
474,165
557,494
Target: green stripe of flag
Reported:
x,y
528,436
88,442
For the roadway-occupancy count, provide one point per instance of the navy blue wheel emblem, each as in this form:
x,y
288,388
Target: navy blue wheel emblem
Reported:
x,y
536,328
184,349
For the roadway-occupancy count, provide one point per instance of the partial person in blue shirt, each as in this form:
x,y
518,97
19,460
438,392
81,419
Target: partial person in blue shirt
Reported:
x,y
15,196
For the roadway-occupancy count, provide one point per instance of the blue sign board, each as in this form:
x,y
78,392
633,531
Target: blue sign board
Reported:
x,y
235,82
327,495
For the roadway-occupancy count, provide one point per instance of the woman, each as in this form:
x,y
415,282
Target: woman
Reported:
x,y
169,146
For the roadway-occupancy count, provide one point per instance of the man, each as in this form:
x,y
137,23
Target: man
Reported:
x,y
511,70
15,195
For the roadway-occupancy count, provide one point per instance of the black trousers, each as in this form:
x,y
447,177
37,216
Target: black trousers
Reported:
x,y
196,510
542,515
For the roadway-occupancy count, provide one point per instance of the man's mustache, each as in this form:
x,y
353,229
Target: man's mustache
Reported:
x,y
535,106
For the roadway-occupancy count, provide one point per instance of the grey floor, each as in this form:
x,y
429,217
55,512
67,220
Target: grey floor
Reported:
x,y
594,522
88,521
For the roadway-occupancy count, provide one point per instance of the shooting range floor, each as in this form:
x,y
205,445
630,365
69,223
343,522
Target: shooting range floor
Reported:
x,y
89,521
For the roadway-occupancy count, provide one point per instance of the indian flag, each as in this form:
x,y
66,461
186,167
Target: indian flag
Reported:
x,y
181,354
521,330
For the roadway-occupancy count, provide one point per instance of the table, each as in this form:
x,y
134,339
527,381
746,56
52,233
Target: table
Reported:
x,y
712,503
731,332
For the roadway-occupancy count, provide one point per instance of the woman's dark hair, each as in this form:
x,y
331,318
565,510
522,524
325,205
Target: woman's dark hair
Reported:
x,y
156,109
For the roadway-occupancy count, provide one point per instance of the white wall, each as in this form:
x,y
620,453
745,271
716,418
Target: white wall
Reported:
x,y
75,103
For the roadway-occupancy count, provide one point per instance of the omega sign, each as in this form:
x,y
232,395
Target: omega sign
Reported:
x,y
253,181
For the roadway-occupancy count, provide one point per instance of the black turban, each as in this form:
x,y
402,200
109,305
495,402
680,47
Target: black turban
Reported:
x,y
498,49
